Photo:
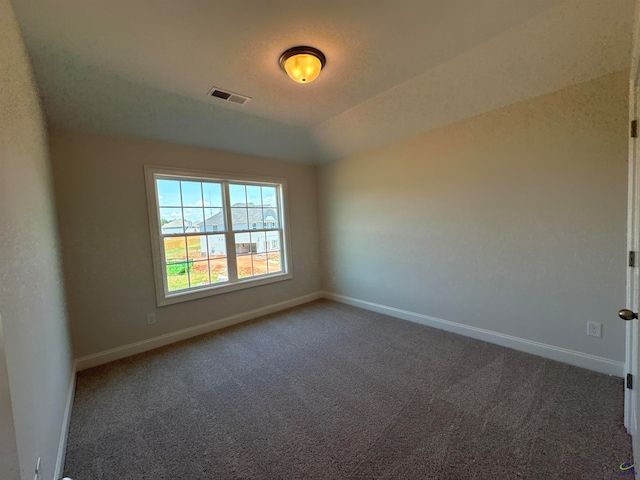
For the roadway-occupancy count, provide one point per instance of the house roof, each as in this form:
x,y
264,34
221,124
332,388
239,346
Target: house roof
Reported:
x,y
394,68
177,223
239,217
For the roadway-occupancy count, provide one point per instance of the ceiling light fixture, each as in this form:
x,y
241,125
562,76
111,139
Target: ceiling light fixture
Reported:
x,y
302,64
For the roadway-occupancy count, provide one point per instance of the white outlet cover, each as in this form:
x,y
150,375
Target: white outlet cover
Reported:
x,y
594,329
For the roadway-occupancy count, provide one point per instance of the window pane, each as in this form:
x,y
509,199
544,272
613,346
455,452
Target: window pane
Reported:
x,y
239,218
168,193
274,263
215,220
218,270
271,218
260,264
212,194
243,255
259,258
198,273
254,197
197,247
269,196
217,246
244,266
243,243
177,277
193,219
273,241
171,220
237,195
255,218
191,194
258,242
175,249
175,252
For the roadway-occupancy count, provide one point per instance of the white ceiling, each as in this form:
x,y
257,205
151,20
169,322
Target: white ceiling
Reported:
x,y
395,68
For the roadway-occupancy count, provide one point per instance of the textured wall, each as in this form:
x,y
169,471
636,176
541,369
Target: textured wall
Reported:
x,y
104,227
34,326
513,221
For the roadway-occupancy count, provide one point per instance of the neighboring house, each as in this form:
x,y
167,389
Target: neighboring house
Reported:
x,y
178,226
244,217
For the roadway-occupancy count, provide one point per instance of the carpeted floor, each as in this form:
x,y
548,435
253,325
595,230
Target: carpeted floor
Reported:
x,y
330,391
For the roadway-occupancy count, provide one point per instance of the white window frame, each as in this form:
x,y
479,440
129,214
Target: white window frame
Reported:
x,y
163,295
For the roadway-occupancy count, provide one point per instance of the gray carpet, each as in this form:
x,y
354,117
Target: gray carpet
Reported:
x,y
330,391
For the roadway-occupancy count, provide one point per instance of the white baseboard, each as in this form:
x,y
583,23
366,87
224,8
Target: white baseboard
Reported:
x,y
572,357
107,356
62,446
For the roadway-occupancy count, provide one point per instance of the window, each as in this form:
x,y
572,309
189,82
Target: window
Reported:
x,y
214,233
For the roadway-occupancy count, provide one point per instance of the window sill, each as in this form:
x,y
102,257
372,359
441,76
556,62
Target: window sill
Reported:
x,y
211,290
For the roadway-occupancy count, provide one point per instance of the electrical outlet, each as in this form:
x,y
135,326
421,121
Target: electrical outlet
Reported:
x,y
594,329
333,280
151,318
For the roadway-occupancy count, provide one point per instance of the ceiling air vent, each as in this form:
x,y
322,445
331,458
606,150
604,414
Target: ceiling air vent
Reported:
x,y
228,96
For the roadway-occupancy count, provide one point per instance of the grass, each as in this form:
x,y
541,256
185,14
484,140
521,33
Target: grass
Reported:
x,y
181,281
177,278
179,268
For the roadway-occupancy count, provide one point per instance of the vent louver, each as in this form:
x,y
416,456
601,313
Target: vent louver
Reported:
x,y
228,96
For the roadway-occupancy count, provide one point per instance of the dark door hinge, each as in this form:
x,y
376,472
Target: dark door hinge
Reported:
x,y
634,128
629,381
632,259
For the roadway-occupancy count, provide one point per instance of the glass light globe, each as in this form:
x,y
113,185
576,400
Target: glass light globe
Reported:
x,y
303,68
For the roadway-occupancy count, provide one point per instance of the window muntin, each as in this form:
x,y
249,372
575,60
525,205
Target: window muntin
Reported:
x,y
195,252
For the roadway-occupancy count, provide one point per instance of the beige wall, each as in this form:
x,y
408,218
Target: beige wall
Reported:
x,y
35,362
512,221
104,227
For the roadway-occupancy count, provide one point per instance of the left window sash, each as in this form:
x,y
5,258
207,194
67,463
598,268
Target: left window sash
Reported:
x,y
191,226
